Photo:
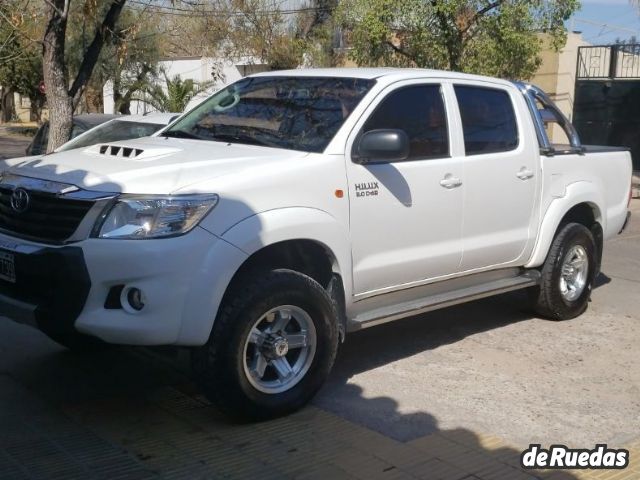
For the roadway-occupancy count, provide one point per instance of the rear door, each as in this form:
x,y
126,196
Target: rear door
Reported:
x,y
501,175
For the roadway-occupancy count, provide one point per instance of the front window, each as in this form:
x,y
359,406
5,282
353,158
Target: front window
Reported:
x,y
295,113
419,111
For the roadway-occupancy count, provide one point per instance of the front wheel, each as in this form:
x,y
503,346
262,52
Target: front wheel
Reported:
x,y
567,274
271,348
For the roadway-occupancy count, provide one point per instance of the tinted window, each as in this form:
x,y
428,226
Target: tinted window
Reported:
x,y
38,145
488,120
76,130
419,111
297,113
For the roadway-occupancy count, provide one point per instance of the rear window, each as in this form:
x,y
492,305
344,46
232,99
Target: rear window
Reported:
x,y
488,120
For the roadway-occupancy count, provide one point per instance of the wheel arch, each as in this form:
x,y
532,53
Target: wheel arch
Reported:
x,y
306,240
581,204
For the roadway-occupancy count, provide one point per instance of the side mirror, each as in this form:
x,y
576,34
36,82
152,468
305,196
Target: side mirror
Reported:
x,y
384,145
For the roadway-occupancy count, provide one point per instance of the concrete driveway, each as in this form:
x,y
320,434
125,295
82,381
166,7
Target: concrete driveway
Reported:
x,y
490,366
454,394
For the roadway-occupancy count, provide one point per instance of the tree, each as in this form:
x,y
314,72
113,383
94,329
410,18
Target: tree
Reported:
x,y
61,98
96,41
175,96
22,73
128,59
492,37
253,31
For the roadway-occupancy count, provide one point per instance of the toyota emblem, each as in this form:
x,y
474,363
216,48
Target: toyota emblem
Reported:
x,y
20,200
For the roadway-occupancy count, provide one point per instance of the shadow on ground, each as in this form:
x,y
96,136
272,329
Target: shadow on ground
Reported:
x,y
143,405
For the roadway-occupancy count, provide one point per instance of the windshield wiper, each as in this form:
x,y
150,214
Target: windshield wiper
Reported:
x,y
181,134
238,138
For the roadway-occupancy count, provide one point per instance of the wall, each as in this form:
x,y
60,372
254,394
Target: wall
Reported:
x,y
557,76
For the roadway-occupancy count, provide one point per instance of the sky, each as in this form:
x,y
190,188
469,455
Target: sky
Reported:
x,y
603,21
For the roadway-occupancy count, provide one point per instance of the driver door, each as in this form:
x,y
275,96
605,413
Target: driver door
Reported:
x,y
406,216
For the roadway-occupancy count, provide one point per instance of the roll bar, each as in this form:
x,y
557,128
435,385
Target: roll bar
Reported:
x,y
548,113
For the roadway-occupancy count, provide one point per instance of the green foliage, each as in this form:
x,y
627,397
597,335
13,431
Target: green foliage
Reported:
x,y
128,58
175,95
20,67
491,37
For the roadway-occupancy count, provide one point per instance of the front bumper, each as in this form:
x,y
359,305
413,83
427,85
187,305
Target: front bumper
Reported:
x,y
52,285
182,280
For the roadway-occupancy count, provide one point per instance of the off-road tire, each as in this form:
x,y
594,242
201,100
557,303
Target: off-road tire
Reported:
x,y
547,299
218,366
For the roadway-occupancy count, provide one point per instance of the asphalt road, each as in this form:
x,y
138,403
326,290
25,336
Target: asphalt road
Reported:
x,y
488,366
12,144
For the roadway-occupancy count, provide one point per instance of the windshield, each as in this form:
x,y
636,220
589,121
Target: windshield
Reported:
x,y
112,131
295,113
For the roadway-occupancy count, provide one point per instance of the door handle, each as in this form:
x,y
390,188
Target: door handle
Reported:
x,y
449,181
524,174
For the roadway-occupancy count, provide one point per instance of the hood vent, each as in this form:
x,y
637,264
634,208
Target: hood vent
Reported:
x,y
120,151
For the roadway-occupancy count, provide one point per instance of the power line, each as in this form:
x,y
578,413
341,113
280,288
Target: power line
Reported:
x,y
606,28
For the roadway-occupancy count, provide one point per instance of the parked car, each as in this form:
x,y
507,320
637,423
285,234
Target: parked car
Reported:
x,y
94,128
294,207
126,127
81,123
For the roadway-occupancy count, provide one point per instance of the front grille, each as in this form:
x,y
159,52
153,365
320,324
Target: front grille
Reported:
x,y
49,217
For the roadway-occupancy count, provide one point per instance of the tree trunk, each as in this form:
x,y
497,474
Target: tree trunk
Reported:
x,y
55,75
60,97
104,31
8,107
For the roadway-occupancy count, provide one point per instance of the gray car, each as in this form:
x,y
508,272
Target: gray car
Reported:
x,y
100,128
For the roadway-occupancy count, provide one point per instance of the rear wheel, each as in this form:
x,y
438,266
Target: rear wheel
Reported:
x,y
271,348
567,274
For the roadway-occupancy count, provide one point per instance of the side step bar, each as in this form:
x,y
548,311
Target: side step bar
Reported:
x,y
447,299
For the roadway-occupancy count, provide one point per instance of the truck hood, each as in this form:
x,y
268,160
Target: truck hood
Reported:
x,y
154,165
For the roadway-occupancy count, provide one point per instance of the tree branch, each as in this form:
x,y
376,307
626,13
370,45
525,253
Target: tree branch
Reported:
x,y
480,13
93,52
17,30
62,13
399,50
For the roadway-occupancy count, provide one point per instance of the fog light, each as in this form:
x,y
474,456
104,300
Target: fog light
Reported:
x,y
135,299
132,299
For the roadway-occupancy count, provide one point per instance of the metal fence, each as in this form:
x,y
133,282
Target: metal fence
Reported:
x,y
609,62
607,97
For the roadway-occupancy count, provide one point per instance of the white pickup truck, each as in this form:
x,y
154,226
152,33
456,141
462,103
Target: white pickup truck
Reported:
x,y
294,207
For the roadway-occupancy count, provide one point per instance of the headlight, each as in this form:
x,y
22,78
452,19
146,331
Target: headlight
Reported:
x,y
148,216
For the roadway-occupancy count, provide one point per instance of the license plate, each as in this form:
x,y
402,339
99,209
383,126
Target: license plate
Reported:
x,y
7,267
